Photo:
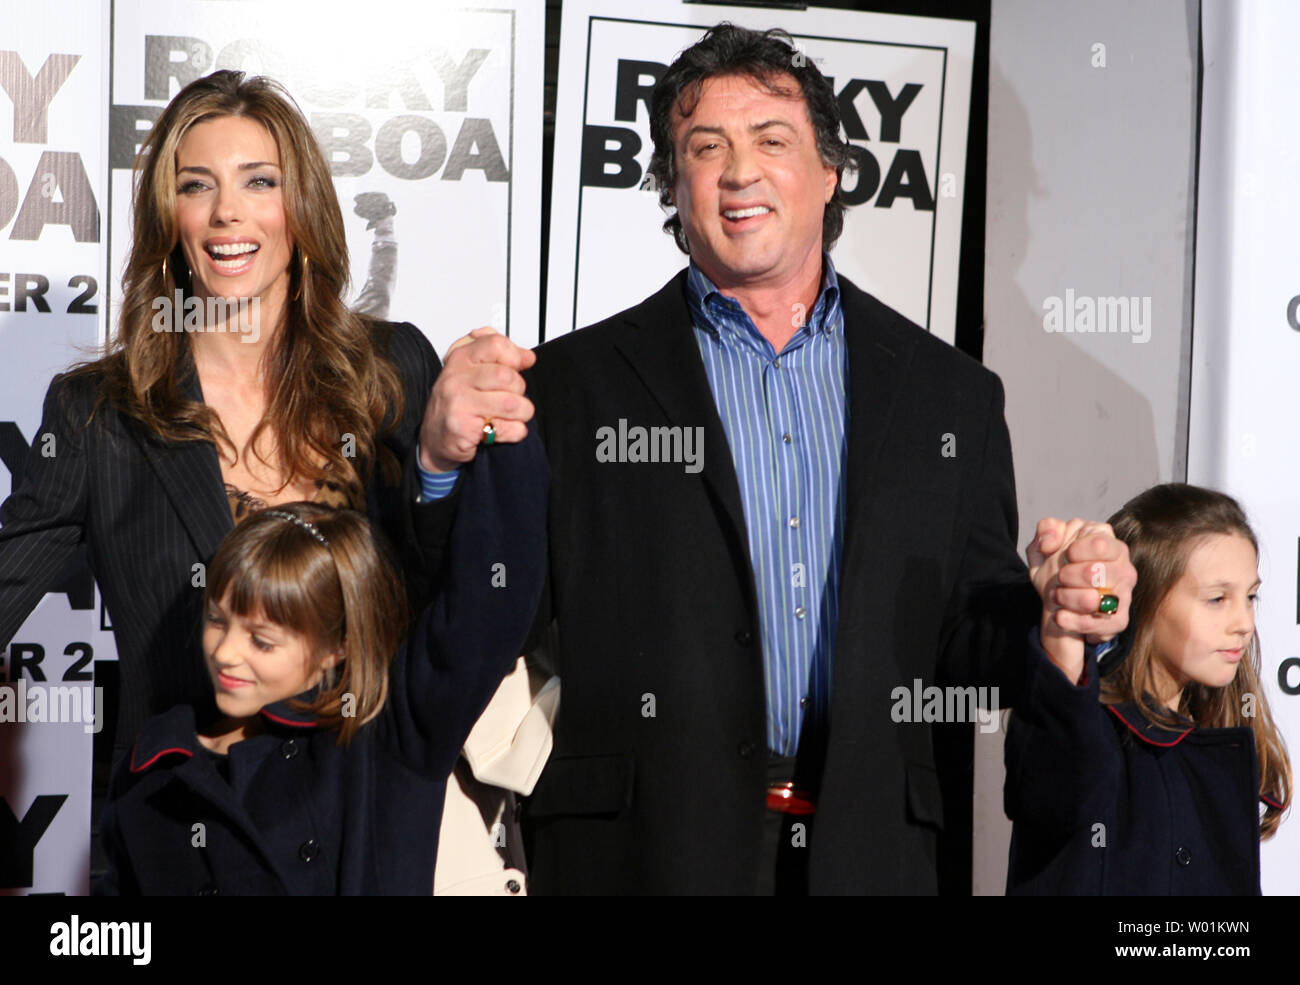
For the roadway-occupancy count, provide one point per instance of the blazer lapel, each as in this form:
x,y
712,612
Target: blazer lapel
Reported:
x,y
190,473
879,357
661,348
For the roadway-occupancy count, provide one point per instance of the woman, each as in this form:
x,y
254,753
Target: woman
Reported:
x,y
259,388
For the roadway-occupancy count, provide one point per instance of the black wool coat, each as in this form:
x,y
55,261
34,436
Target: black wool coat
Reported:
x,y
1106,802
302,815
651,592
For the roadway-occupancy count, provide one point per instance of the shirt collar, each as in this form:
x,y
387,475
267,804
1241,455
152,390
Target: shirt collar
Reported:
x,y
708,304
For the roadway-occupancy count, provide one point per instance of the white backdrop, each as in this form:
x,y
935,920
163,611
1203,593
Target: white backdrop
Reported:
x,y
435,105
902,243
52,123
1246,341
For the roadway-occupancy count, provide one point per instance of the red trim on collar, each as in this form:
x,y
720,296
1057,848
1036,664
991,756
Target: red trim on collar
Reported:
x,y
1271,802
287,721
157,756
1147,739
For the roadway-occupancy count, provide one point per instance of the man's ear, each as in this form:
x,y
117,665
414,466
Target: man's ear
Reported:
x,y
832,179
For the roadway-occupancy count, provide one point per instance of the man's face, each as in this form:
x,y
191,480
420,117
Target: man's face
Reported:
x,y
751,188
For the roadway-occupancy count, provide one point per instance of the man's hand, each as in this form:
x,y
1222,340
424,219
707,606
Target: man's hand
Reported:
x,y
480,382
1070,563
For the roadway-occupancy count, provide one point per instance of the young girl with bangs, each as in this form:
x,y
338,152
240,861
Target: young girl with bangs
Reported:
x,y
1160,775
325,771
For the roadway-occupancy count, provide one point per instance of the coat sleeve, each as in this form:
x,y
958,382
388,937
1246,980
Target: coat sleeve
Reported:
x,y
1063,770
42,522
994,604
466,640
418,531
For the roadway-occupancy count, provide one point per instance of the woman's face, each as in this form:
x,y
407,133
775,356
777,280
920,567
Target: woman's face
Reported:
x,y
230,211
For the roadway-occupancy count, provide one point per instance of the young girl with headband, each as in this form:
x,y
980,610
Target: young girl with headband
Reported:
x,y
325,772
1161,777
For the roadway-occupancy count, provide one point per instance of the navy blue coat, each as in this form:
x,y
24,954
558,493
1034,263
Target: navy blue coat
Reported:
x,y
302,815
1106,802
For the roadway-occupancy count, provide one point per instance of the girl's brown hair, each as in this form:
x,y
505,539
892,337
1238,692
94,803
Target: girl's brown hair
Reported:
x,y
325,574
325,379
1161,527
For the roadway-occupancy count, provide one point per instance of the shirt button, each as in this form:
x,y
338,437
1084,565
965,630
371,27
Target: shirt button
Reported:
x,y
799,612
289,749
1184,856
513,886
786,437
309,849
803,702
776,363
745,750
794,523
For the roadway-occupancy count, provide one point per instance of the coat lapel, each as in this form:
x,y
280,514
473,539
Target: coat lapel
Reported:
x,y
662,350
190,473
169,741
879,357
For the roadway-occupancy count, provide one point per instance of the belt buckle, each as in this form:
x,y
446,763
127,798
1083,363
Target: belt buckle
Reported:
x,y
785,798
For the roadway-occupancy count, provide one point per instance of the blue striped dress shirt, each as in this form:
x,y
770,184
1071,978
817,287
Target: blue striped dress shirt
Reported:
x,y
784,416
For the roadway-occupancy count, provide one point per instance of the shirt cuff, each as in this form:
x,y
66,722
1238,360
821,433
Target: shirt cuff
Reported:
x,y
435,485
1099,650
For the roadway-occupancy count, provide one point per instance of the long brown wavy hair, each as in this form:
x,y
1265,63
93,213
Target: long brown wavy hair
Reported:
x,y
345,596
1161,527
325,379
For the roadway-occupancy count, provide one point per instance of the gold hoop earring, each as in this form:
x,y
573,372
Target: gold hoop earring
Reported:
x,y
303,279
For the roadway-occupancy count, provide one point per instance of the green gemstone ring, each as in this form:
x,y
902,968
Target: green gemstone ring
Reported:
x,y
1108,603
489,433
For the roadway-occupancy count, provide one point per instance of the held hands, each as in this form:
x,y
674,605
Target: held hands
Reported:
x,y
480,383
1072,565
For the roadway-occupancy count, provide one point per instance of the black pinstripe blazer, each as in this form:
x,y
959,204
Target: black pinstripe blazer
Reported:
x,y
150,510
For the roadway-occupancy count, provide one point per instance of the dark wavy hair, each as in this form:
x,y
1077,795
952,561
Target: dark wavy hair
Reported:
x,y
764,56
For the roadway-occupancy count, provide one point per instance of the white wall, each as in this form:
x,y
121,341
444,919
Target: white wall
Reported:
x,y
1091,187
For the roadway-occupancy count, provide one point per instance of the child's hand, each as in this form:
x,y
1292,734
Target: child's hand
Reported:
x,y
1046,554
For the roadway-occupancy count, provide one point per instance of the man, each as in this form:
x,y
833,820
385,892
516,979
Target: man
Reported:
x,y
774,501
